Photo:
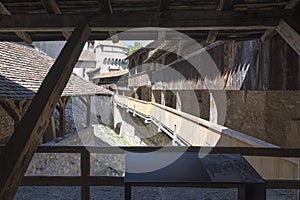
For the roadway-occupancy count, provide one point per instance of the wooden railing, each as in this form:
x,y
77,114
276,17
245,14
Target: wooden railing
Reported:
x,y
85,180
206,133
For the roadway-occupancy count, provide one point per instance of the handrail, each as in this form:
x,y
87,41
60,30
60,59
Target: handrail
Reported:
x,y
86,180
202,122
245,151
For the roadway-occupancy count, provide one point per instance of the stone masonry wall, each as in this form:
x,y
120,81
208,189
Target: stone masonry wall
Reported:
x,y
6,126
195,102
273,116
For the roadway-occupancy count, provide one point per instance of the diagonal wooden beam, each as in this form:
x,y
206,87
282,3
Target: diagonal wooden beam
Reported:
x,y
24,36
52,8
290,32
212,36
268,34
19,150
11,109
292,4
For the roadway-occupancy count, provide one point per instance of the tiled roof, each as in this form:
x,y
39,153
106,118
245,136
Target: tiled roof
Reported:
x,y
23,68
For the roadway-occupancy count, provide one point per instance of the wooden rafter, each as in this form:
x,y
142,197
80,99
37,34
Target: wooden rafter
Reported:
x,y
61,107
268,34
223,5
15,108
11,110
163,5
19,150
290,32
22,35
53,8
206,20
292,4
212,36
106,7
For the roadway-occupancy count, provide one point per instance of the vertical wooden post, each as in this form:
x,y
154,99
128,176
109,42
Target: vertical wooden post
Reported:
x,y
88,111
152,96
85,173
62,122
19,150
178,101
162,98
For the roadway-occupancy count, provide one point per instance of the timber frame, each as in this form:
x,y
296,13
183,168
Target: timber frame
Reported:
x,y
19,151
223,20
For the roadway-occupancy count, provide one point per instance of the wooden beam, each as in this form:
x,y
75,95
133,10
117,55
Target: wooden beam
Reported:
x,y
114,36
52,7
88,111
85,173
268,34
22,35
163,5
206,20
61,107
271,32
292,4
19,150
11,109
225,5
212,36
105,6
290,32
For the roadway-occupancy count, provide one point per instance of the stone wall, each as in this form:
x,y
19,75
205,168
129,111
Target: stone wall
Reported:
x,y
6,126
137,131
195,102
103,108
273,116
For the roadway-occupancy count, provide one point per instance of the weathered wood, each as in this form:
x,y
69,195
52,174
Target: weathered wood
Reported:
x,y
52,7
85,173
119,181
289,34
61,107
19,150
88,111
225,4
114,36
11,109
292,4
72,181
212,36
163,5
246,151
268,34
205,20
24,36
105,6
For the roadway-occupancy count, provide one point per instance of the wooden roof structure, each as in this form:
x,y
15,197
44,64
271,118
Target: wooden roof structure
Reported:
x,y
207,20
80,21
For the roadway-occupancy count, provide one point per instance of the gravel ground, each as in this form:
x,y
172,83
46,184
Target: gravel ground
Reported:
x,y
142,193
